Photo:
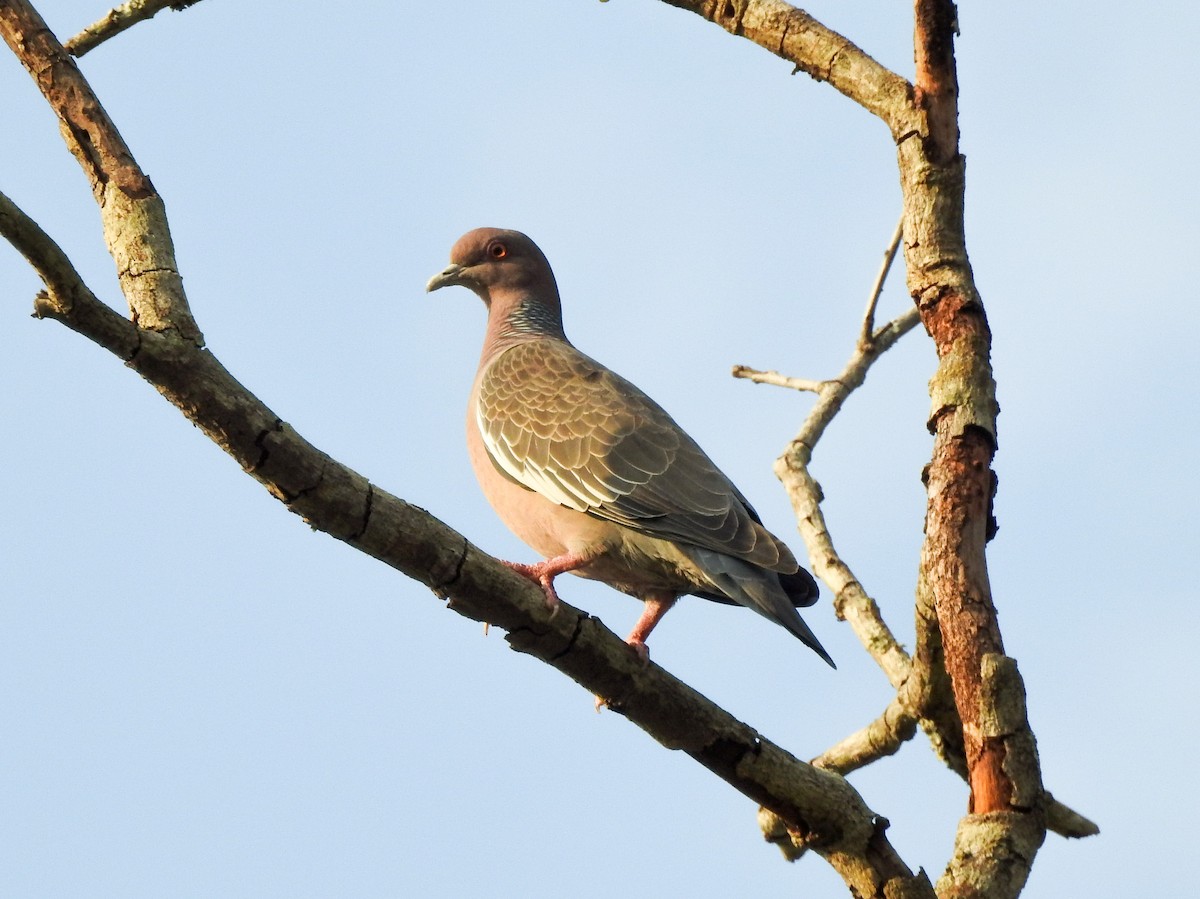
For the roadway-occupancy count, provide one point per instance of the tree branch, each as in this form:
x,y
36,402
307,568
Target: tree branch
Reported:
x,y
999,838
775,379
866,335
819,807
936,81
66,295
119,19
923,693
820,52
132,213
882,737
959,477
924,126
851,601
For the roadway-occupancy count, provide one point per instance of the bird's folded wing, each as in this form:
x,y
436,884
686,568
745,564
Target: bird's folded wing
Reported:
x,y
565,426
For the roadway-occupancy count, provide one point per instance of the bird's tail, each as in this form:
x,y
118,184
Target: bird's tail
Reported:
x,y
772,595
800,587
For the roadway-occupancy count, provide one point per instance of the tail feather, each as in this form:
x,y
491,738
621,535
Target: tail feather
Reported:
x,y
801,588
772,595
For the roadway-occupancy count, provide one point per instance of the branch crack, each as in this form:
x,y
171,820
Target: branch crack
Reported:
x,y
438,585
131,272
580,621
137,346
366,516
261,442
305,491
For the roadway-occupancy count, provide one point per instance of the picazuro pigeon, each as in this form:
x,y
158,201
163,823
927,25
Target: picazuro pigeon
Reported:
x,y
592,473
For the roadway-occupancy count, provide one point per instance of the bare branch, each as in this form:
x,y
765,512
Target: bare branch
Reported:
x,y
46,256
1006,821
818,806
66,295
1066,822
330,497
939,277
882,737
820,52
775,379
941,722
119,19
923,691
850,599
794,845
936,81
940,280
867,334
144,255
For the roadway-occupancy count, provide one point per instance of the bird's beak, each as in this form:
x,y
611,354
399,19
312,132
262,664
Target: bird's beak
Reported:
x,y
447,277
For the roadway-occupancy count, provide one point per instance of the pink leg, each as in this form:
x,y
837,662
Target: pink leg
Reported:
x,y
544,573
652,612
656,606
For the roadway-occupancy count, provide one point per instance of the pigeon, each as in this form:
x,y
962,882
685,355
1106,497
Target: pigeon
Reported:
x,y
593,474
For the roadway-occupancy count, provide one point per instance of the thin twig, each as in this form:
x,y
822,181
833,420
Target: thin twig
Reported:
x,y
775,379
850,599
938,715
866,335
853,375
119,19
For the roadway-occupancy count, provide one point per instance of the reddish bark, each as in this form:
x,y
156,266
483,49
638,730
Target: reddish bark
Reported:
x,y
94,138
957,528
936,82
958,525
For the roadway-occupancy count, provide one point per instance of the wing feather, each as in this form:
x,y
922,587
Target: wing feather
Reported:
x,y
561,424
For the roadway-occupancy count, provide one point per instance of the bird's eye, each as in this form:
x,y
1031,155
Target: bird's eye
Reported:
x,y
497,250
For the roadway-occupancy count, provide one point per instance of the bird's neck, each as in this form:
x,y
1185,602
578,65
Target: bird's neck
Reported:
x,y
520,321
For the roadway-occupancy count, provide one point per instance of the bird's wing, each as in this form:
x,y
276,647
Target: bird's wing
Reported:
x,y
565,426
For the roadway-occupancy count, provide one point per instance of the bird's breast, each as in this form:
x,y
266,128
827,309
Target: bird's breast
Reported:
x,y
547,527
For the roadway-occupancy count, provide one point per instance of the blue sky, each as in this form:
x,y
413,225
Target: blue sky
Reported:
x,y
201,696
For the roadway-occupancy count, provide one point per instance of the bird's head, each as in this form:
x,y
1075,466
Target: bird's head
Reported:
x,y
498,264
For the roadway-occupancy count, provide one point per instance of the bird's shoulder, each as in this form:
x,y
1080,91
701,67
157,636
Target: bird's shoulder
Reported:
x,y
550,387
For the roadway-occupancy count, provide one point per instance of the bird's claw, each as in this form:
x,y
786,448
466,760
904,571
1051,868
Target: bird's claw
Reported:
x,y
543,579
640,649
551,594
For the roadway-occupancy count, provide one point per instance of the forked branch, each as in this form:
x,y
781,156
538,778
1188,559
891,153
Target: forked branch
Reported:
x,y
817,806
922,695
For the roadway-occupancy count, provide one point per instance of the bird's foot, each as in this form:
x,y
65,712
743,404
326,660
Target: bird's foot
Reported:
x,y
542,575
640,649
